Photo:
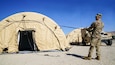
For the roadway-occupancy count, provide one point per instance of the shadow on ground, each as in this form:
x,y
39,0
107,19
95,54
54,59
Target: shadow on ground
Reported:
x,y
75,55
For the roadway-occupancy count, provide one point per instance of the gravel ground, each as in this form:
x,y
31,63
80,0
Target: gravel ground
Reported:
x,y
72,57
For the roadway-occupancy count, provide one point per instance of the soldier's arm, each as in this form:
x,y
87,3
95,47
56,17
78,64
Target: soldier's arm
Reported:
x,y
92,26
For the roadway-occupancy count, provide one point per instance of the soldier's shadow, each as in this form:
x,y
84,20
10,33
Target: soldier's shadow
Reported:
x,y
75,55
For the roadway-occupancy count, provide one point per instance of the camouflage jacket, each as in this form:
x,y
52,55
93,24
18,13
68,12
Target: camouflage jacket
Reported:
x,y
96,28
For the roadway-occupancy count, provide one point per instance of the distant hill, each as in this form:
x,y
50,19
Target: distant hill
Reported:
x,y
112,32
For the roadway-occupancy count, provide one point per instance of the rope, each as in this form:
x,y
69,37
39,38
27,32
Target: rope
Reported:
x,y
68,26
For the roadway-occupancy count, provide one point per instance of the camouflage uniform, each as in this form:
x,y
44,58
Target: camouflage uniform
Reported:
x,y
96,28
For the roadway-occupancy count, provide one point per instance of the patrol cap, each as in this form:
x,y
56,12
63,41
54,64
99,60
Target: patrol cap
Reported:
x,y
98,14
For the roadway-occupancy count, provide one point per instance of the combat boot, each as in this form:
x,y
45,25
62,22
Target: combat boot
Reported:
x,y
98,58
87,58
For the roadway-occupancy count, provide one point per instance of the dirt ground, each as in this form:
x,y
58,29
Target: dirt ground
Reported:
x,y
71,57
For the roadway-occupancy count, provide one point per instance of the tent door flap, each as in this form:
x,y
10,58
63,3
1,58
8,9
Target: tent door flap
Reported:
x,y
26,41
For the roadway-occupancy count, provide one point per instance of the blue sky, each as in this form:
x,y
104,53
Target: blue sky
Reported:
x,y
72,13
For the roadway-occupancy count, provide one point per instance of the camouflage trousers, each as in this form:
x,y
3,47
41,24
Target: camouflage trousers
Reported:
x,y
95,43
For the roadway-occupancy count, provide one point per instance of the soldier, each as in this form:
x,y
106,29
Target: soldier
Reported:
x,y
95,28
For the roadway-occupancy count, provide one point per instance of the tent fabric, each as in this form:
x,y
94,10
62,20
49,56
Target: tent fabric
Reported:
x,y
47,36
75,36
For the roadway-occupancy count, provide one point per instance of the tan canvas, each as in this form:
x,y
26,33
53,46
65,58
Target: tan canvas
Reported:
x,y
48,35
74,36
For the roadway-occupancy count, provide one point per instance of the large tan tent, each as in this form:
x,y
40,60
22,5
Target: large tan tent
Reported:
x,y
74,37
30,30
78,36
